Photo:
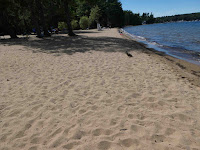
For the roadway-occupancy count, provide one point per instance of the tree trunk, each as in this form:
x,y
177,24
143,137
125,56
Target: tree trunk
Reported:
x,y
7,28
68,20
12,33
43,22
35,19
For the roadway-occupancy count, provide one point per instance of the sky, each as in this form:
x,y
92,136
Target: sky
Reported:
x,y
162,7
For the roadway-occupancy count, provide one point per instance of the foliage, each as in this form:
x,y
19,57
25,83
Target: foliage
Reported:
x,y
131,19
105,12
148,18
95,14
84,22
185,17
135,19
114,13
83,8
20,16
62,25
74,24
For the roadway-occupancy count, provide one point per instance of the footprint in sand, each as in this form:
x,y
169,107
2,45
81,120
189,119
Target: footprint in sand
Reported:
x,y
71,145
33,148
129,142
103,145
139,130
79,134
100,131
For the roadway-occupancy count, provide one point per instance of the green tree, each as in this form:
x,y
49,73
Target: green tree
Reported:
x,y
131,19
83,8
95,14
115,14
150,19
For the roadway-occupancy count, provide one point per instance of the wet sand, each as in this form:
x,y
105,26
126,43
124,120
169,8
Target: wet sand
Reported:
x,y
85,93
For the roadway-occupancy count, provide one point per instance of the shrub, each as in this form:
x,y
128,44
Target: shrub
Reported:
x,y
84,22
62,25
74,24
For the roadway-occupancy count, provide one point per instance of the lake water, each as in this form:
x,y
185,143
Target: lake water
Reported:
x,y
178,39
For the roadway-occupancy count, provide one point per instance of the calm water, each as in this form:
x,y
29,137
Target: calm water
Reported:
x,y
179,39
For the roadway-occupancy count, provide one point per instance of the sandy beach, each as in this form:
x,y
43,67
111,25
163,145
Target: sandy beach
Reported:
x,y
85,93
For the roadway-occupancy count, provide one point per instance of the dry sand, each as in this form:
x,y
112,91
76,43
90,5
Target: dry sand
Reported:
x,y
84,93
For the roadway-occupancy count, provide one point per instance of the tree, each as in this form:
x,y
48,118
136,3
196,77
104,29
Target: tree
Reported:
x,y
131,19
35,19
150,19
115,13
95,14
83,8
68,17
40,9
8,9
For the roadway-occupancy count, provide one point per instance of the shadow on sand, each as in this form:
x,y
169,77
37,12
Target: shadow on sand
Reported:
x,y
70,45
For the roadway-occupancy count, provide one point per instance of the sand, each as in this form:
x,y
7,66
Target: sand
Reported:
x,y
85,93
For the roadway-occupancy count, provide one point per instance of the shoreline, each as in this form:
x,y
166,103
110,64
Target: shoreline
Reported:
x,y
179,65
188,52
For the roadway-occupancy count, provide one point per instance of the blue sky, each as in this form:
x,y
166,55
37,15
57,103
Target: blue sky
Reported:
x,y
162,7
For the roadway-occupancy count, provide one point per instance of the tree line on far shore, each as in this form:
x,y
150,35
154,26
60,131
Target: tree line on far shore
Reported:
x,y
183,17
42,16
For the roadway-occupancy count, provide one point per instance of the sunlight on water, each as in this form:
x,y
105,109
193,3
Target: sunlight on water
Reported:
x,y
179,39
